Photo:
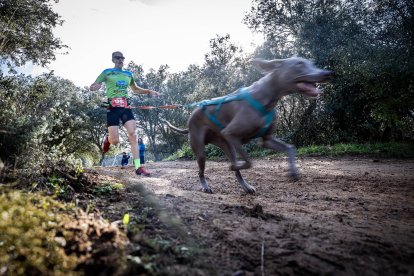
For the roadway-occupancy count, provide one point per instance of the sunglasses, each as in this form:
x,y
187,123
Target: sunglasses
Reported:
x,y
121,58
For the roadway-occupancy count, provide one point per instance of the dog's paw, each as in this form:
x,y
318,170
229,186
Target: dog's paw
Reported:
x,y
294,176
250,190
207,190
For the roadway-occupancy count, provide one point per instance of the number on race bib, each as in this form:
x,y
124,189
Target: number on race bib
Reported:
x,y
119,102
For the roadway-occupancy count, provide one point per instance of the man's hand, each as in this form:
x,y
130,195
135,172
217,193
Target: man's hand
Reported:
x,y
95,86
154,93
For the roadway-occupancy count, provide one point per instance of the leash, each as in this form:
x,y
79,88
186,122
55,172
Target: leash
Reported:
x,y
124,103
172,106
241,94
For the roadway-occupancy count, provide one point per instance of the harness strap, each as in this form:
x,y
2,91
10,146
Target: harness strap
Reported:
x,y
242,94
212,117
268,115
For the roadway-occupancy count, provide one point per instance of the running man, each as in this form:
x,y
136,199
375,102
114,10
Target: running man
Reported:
x,y
117,82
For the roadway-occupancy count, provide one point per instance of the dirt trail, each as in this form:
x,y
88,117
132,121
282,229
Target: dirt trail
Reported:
x,y
345,216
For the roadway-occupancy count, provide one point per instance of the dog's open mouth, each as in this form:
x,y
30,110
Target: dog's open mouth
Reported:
x,y
307,83
308,88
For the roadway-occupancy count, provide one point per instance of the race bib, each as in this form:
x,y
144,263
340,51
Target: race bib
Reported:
x,y
119,102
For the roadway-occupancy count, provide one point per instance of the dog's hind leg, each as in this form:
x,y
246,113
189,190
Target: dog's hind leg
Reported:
x,y
201,161
197,144
278,145
231,154
246,186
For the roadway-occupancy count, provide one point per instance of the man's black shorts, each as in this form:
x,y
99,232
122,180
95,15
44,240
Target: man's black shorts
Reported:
x,y
116,114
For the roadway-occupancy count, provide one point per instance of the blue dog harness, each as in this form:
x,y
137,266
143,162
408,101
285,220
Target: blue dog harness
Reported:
x,y
241,95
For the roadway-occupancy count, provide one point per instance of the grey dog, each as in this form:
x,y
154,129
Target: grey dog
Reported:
x,y
233,120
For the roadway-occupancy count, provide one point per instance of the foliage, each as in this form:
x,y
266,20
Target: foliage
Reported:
x,y
26,32
41,236
177,90
221,71
48,118
149,119
32,240
106,189
185,152
389,150
378,150
369,44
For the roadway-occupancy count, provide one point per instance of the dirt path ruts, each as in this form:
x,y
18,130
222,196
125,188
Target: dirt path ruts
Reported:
x,y
345,216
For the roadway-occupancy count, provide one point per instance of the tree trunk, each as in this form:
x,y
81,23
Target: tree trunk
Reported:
x,y
154,149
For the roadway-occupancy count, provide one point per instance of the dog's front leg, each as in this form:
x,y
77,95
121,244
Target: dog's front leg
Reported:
x,y
231,154
278,145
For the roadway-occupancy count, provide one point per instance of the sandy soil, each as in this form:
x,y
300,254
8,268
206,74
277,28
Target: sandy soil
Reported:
x,y
345,216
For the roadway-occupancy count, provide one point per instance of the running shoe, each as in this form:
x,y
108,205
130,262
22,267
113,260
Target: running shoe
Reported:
x,y
143,171
105,144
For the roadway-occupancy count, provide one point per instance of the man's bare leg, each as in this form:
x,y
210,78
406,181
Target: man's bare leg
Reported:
x,y
111,138
113,135
133,141
131,128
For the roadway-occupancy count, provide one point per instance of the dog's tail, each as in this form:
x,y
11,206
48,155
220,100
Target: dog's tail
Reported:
x,y
176,129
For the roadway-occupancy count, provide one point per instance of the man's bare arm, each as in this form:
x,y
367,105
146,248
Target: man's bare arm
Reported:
x,y
135,88
95,86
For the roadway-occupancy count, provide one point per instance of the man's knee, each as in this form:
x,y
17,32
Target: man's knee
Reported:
x,y
114,140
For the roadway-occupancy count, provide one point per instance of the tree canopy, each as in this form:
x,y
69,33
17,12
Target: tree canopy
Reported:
x,y
26,32
369,45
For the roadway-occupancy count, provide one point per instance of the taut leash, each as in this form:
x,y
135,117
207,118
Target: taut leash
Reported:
x,y
172,106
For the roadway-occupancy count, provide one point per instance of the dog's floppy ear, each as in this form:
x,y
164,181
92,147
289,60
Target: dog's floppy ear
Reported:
x,y
265,66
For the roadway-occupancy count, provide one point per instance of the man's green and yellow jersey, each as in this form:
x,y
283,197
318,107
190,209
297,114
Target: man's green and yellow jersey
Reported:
x,y
117,82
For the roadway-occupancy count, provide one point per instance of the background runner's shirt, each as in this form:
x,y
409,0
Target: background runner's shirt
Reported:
x,y
117,82
141,148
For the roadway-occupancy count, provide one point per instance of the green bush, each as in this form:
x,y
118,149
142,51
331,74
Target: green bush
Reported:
x,y
40,236
107,189
184,153
213,151
388,150
31,240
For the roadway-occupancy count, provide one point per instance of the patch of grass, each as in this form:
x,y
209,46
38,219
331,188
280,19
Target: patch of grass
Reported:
x,y
262,153
212,152
107,188
388,150
385,150
58,185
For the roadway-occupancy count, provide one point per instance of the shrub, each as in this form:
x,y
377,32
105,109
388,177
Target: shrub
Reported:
x,y
39,236
30,237
184,153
